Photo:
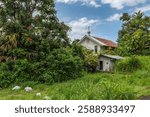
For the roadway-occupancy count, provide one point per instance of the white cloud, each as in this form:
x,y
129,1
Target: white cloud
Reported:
x,y
80,27
120,4
93,3
143,9
115,17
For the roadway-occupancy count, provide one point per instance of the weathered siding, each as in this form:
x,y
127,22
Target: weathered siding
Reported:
x,y
108,64
89,44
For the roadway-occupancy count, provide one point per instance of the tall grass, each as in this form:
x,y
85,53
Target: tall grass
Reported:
x,y
117,86
117,91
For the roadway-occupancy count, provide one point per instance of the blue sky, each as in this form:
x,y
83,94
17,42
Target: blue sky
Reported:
x,y
101,15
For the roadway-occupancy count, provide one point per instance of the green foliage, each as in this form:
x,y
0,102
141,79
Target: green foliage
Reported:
x,y
128,64
109,51
34,44
90,87
5,79
134,37
117,90
63,65
59,66
30,29
90,60
77,50
93,86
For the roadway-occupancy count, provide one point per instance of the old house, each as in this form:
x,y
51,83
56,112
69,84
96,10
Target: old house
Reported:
x,y
106,62
97,44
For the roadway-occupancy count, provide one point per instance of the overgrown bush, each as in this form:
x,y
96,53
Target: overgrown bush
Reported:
x,y
5,79
78,50
60,65
128,64
90,60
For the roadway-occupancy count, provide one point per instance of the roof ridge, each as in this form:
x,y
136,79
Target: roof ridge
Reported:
x,y
103,38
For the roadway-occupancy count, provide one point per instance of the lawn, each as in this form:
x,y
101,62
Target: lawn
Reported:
x,y
111,86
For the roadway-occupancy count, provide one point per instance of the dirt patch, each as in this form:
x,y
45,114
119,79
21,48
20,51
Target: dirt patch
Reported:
x,y
145,97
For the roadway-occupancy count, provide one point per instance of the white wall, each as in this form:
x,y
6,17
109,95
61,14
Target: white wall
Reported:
x,y
90,44
107,63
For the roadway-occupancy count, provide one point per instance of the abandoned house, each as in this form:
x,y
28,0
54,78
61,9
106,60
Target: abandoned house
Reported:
x,y
107,62
97,44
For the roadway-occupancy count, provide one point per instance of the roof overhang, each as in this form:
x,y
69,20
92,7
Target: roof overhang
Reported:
x,y
93,39
114,57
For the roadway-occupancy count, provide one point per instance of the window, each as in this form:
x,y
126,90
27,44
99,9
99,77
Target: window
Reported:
x,y
96,49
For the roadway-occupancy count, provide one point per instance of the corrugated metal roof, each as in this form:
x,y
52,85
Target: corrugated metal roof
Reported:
x,y
112,56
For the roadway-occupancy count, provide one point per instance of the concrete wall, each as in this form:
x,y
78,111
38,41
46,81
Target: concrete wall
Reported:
x,y
90,44
108,64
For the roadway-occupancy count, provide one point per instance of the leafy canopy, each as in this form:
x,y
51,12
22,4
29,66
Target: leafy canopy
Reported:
x,y
134,37
30,29
34,45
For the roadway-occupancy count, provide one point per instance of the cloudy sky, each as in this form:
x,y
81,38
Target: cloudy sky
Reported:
x,y
101,15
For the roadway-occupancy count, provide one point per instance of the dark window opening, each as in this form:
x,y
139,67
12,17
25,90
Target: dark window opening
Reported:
x,y
96,49
101,65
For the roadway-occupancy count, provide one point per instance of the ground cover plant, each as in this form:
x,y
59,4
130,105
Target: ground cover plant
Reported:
x,y
111,86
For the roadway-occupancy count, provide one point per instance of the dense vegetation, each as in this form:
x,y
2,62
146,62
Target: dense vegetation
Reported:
x,y
129,64
131,85
134,37
34,45
87,56
35,49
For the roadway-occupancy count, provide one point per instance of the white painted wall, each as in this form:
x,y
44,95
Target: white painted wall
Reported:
x,y
90,44
107,64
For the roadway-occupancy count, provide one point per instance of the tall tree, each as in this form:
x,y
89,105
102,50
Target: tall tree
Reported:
x,y
30,29
134,37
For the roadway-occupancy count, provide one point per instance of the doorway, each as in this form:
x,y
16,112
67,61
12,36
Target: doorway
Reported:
x,y
100,65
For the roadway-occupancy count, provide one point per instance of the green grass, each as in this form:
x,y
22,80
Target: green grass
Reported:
x,y
117,86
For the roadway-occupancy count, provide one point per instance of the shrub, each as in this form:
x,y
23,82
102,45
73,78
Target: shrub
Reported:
x,y
78,50
63,66
128,64
22,70
6,79
15,72
90,60
60,65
